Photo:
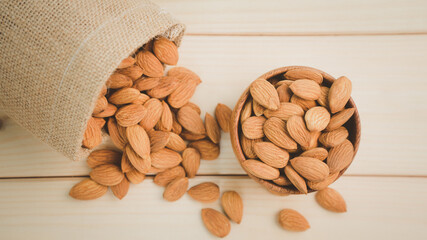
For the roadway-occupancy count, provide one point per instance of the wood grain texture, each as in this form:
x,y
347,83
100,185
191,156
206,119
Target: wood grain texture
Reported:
x,y
375,211
300,17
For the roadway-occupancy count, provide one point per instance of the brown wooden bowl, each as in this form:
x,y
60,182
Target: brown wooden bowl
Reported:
x,y
352,125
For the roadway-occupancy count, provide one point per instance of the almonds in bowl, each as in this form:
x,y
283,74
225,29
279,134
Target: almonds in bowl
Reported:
x,y
296,129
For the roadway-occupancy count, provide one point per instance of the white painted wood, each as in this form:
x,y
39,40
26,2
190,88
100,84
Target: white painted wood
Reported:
x,y
378,208
299,17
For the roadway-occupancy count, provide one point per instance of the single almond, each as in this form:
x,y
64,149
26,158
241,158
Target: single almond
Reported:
x,y
117,80
124,96
331,200
189,136
212,128
99,157
248,146
135,177
141,164
134,72
184,74
207,149
100,105
109,111
190,120
206,192
339,94
323,184
154,113
176,127
183,93
310,168
107,174
154,170
296,179
304,73
284,93
340,156
233,206
252,127
258,109
166,86
141,99
271,154
139,141
166,119
292,220
319,153
317,118
146,83
166,51
323,99
125,164
265,94
149,63
165,158
285,111
100,122
260,169
216,222
167,176
158,140
87,190
282,181
246,111
120,190
223,116
194,107
92,136
298,131
303,103
314,140
334,138
127,62
275,131
176,143
306,89
191,161
130,114
338,119
176,189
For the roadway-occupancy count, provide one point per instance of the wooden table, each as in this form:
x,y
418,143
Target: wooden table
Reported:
x,y
380,45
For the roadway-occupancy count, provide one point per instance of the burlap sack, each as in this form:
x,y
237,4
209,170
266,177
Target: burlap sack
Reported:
x,y
55,56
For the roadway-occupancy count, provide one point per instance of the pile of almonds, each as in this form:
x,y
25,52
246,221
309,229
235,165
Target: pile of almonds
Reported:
x,y
292,130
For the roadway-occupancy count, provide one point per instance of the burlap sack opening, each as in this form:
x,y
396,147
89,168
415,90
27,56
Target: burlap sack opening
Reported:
x,y
56,55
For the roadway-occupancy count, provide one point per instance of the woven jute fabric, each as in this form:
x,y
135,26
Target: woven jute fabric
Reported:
x,y
56,55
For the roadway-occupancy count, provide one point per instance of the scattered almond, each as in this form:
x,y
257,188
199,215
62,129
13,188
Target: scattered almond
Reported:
x,y
216,222
92,136
212,128
87,190
130,114
204,192
166,51
207,149
135,177
191,161
103,156
167,176
233,206
139,141
107,174
175,189
165,158
223,116
190,120
331,200
292,220
124,96
120,190
154,112
176,143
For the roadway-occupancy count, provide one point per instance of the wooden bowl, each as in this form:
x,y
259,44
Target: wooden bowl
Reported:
x,y
352,125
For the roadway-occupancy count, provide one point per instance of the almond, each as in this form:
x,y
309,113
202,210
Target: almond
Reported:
x,y
340,118
100,122
117,80
92,136
189,136
292,220
104,91
100,105
252,127
317,118
135,177
103,156
191,120
246,111
319,153
125,164
323,184
130,114
146,83
191,161
166,51
120,190
304,73
87,190
154,170
206,192
176,143
275,131
284,93
284,82
296,179
165,158
248,146
216,222
149,63
134,72
297,130
334,138
258,109
340,156
282,181
265,94
142,98
154,113
139,141
207,149
141,164
223,116
184,74
285,111
314,137
158,140
166,119
176,127
182,94
323,99
212,128
107,174
127,62
175,189
303,103
306,89
310,168
109,111
124,96
166,86
260,169
339,94
164,178
233,206
193,106
271,154
331,200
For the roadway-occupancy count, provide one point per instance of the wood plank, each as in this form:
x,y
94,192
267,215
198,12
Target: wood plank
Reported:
x,y
299,17
41,209
388,86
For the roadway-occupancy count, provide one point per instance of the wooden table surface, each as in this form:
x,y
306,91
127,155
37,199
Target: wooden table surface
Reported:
x,y
381,45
